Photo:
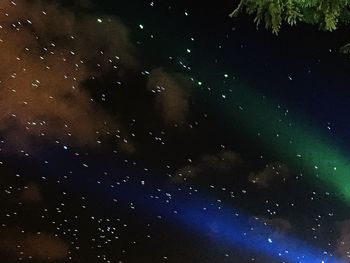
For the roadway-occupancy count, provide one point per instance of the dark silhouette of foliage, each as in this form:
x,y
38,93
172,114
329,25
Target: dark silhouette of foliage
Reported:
x,y
327,14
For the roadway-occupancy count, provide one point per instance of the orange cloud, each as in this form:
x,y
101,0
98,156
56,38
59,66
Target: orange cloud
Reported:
x,y
47,53
222,163
171,95
30,194
272,172
343,242
43,246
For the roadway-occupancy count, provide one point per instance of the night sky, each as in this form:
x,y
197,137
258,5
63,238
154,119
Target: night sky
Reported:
x,y
166,131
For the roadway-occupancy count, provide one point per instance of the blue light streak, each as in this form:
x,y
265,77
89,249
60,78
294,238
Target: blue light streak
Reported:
x,y
228,225
225,225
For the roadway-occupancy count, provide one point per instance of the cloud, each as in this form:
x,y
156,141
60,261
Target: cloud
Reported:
x,y
343,242
45,62
272,172
221,163
30,194
280,227
171,95
43,246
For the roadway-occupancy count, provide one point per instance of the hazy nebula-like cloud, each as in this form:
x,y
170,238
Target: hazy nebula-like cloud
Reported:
x,y
171,95
47,54
270,174
42,247
222,163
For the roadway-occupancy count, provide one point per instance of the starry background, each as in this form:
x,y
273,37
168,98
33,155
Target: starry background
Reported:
x,y
165,131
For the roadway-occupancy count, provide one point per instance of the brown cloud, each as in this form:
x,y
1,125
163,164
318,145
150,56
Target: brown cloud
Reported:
x,y
279,226
343,242
269,174
47,53
171,95
222,163
30,194
43,246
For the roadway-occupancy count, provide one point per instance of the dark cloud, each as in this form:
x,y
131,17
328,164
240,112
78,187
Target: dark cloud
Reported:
x,y
172,95
222,163
343,242
280,227
30,194
47,55
272,172
39,246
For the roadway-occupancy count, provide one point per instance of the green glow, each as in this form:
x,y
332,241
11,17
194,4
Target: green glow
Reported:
x,y
291,139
